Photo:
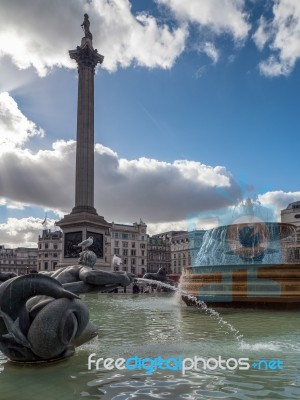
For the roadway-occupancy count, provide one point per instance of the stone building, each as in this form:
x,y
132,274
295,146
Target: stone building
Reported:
x,y
291,215
180,253
20,260
159,254
129,242
49,250
184,249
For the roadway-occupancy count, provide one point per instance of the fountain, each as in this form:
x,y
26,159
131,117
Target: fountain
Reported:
x,y
247,262
42,319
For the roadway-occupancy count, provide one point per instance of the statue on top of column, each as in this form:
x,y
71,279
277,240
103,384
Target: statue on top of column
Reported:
x,y
86,27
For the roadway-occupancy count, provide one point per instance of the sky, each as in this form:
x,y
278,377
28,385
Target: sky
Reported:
x,y
196,109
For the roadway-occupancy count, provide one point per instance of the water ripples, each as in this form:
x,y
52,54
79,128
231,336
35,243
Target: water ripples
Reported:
x,y
153,325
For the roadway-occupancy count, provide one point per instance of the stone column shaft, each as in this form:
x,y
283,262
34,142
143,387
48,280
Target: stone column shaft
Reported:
x,y
84,191
87,58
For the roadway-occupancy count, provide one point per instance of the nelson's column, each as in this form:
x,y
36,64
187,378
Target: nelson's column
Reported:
x,y
83,221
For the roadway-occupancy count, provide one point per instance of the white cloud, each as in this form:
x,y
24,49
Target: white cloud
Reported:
x,y
283,33
15,128
125,189
220,16
39,34
153,229
279,199
21,232
211,51
261,36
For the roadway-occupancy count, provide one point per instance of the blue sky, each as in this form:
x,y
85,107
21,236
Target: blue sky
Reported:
x,y
195,86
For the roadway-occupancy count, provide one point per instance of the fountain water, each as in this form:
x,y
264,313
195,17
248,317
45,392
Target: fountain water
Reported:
x,y
247,262
208,310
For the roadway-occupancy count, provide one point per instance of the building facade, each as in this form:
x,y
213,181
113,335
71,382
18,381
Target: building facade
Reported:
x,y
49,250
129,242
159,254
183,247
21,260
291,215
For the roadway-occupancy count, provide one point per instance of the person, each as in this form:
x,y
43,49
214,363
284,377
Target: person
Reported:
x,y
135,288
147,289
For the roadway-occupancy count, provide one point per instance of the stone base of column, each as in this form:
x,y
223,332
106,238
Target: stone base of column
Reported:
x,y
78,226
86,209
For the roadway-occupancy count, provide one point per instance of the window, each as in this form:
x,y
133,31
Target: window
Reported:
x,y
133,261
46,255
116,235
133,236
116,268
143,261
133,252
143,253
124,268
133,245
46,246
116,243
125,252
297,254
174,263
40,246
125,236
55,246
125,261
125,244
133,270
55,255
143,237
142,245
46,265
116,252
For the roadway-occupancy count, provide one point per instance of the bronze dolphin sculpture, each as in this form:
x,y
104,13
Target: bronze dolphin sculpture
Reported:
x,y
38,328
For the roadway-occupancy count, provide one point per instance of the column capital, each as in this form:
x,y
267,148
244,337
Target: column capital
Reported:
x,y
86,56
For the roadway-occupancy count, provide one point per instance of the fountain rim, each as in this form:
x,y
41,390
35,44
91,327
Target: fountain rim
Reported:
x,y
255,223
262,226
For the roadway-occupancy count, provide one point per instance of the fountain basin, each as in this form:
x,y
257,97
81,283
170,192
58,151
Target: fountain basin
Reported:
x,y
246,265
252,286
